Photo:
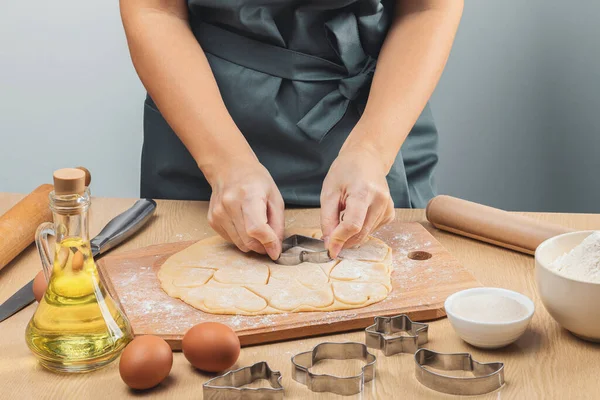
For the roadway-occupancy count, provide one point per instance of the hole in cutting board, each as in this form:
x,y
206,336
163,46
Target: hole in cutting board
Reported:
x,y
419,255
342,368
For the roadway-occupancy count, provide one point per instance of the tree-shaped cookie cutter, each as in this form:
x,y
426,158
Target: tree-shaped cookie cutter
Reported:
x,y
344,386
377,336
229,385
486,378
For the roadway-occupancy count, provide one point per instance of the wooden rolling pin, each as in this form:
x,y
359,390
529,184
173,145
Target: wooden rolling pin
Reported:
x,y
491,225
18,225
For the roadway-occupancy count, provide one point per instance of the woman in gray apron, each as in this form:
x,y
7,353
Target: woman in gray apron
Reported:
x,y
253,104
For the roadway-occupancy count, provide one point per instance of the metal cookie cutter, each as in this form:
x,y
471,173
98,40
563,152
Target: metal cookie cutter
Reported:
x,y
344,386
377,335
228,386
487,376
308,250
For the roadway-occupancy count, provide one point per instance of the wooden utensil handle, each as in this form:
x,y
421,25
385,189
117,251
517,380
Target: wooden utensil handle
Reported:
x,y
490,224
18,225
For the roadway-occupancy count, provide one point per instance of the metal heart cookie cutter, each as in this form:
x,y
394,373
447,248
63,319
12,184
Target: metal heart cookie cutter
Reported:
x,y
377,336
298,249
487,376
344,386
229,385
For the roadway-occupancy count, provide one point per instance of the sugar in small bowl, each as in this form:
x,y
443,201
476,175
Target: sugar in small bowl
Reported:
x,y
489,317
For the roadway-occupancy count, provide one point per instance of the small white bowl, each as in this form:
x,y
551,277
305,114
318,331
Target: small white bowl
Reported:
x,y
572,303
489,335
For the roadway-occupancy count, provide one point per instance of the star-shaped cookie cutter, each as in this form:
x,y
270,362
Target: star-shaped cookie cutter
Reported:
x,y
377,336
344,386
311,250
229,385
486,378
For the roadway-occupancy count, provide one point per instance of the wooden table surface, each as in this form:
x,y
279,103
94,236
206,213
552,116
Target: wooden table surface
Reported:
x,y
547,362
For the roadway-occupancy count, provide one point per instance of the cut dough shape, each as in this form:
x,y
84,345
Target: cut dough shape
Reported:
x,y
362,271
214,276
192,277
372,250
243,275
359,293
308,274
226,300
293,296
327,267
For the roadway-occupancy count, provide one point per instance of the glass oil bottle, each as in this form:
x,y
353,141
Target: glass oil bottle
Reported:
x,y
77,326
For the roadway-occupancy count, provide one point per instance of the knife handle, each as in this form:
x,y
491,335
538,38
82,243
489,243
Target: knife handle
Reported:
x,y
123,226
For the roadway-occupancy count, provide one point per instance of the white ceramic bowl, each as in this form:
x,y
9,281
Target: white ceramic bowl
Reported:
x,y
574,304
489,335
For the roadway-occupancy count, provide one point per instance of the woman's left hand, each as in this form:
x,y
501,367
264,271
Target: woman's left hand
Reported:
x,y
356,186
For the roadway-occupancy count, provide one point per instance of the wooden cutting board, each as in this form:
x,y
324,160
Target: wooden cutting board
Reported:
x,y
425,274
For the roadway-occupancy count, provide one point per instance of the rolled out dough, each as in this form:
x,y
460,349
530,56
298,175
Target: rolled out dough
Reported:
x,y
214,276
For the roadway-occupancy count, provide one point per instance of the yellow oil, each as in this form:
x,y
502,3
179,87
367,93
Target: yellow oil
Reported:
x,y
77,326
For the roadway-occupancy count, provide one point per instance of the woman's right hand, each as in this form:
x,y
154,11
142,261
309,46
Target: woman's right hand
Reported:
x,y
246,208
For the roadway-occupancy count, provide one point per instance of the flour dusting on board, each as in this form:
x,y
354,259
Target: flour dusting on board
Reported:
x,y
401,242
243,321
136,302
134,286
417,286
407,273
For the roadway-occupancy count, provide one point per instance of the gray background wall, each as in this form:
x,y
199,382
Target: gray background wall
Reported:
x,y
517,107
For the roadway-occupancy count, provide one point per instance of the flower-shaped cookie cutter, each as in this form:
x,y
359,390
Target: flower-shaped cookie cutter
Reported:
x,y
344,386
229,385
486,378
377,336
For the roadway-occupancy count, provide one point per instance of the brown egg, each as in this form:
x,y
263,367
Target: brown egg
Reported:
x,y
211,346
145,362
77,261
39,286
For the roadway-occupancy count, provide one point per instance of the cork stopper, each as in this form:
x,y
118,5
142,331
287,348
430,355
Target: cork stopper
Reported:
x,y
69,181
88,176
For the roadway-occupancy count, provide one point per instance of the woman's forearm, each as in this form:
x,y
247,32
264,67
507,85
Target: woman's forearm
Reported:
x,y
176,73
409,66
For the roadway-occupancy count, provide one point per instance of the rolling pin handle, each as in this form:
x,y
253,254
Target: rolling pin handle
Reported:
x,y
488,224
27,214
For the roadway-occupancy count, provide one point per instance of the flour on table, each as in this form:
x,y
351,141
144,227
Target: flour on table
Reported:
x,y
582,262
214,276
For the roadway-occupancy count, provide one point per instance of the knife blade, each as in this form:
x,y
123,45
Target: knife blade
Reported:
x,y
18,301
119,229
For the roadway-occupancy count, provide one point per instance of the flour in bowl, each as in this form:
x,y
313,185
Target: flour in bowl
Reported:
x,y
489,308
582,262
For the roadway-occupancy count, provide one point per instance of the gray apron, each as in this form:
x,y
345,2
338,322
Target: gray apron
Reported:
x,y
295,76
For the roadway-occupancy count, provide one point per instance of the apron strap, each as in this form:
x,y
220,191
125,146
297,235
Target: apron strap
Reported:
x,y
266,58
355,73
